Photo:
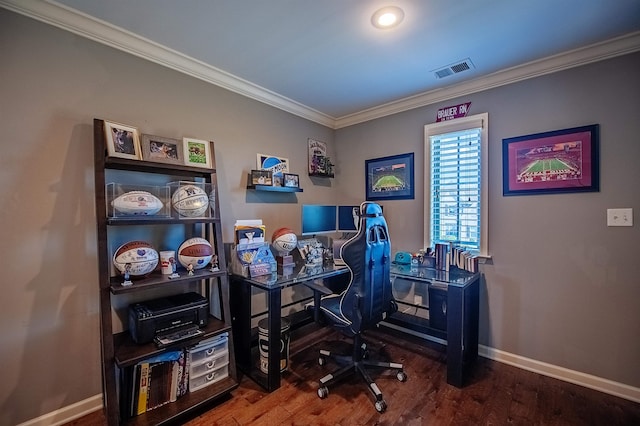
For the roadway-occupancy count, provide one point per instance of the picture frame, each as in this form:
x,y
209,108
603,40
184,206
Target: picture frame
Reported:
x,y
277,165
123,141
197,152
159,149
319,163
291,180
390,178
261,177
560,161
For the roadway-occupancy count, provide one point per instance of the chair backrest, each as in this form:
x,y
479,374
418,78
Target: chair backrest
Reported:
x,y
368,256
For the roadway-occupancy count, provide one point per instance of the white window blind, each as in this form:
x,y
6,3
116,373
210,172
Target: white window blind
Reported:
x,y
455,188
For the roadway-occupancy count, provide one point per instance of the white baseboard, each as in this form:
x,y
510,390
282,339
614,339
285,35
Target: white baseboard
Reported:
x,y
94,403
68,413
588,381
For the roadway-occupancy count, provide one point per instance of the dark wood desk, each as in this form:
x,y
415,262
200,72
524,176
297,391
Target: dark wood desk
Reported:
x,y
460,336
247,356
462,315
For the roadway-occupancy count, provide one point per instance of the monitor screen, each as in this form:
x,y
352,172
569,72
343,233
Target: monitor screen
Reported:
x,y
348,219
318,219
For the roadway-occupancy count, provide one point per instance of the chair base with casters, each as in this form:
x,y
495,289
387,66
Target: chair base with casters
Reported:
x,y
357,363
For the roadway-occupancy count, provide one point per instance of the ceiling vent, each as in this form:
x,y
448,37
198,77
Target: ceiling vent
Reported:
x,y
454,68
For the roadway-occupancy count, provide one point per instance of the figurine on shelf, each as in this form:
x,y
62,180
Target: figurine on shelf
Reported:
x,y
174,267
190,269
214,263
127,275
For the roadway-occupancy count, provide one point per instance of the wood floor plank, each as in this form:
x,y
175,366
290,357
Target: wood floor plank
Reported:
x,y
496,394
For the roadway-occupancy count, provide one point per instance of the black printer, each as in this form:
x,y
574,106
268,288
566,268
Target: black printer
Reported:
x,y
152,317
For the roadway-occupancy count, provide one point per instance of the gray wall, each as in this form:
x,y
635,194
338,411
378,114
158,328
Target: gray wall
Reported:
x,y
562,287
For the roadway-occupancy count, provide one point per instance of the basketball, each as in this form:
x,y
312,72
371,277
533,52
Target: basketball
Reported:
x,y
284,240
190,201
135,257
195,251
137,203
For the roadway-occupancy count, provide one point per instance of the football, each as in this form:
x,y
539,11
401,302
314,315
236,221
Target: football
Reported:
x,y
190,201
135,257
195,251
138,203
284,240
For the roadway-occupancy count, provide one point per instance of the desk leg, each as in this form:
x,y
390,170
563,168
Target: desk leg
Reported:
x,y
241,320
274,302
455,335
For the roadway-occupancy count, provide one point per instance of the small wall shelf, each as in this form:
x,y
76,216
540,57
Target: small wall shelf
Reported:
x,y
274,188
327,175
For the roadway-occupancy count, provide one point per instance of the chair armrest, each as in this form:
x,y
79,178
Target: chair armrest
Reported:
x,y
318,291
318,288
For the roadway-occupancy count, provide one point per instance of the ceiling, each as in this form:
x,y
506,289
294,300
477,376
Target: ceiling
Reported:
x,y
323,60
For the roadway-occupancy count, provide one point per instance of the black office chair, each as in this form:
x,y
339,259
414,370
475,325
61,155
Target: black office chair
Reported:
x,y
365,302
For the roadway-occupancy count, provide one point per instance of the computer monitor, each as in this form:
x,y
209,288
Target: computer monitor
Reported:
x,y
348,218
318,219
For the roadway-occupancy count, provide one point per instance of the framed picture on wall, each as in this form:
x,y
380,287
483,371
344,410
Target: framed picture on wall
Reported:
x,y
122,141
559,161
197,152
390,178
261,177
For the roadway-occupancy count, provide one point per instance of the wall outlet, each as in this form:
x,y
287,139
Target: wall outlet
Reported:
x,y
619,217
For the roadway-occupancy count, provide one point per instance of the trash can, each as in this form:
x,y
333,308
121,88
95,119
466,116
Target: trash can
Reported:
x,y
263,344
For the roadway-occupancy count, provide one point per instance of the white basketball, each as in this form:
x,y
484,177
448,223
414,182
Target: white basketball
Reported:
x,y
190,201
135,257
195,251
137,203
284,240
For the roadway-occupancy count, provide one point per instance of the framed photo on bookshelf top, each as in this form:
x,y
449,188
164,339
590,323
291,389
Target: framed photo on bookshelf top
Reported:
x,y
559,161
261,177
122,141
291,180
390,178
162,150
197,153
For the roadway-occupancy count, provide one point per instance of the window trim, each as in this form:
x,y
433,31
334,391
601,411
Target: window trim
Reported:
x,y
474,121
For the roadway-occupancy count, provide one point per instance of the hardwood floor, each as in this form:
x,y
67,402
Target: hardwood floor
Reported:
x,y
497,394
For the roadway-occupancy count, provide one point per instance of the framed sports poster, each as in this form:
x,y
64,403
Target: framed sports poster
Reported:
x,y
390,178
560,161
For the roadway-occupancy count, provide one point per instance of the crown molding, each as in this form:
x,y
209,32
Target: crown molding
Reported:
x,y
100,31
626,44
58,15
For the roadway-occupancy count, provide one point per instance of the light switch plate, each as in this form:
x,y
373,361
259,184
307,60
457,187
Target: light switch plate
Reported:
x,y
619,217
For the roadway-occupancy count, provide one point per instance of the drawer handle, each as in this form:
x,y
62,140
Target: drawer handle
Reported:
x,y
210,364
210,351
211,376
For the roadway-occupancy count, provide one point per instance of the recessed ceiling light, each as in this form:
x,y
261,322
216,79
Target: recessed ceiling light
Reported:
x,y
387,17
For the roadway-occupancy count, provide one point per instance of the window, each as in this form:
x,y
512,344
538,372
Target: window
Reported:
x,y
456,191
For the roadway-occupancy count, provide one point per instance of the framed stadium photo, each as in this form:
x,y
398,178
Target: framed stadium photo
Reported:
x,y
390,178
162,150
122,141
560,161
197,153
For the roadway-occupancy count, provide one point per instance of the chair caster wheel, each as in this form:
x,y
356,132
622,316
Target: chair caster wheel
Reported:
x,y
402,376
322,361
381,406
323,392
